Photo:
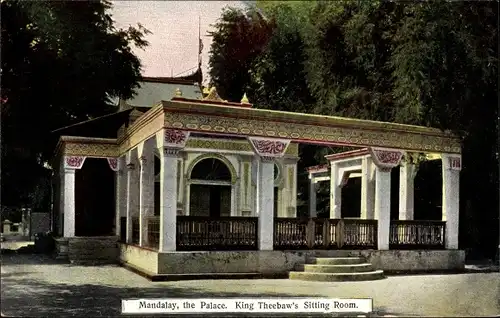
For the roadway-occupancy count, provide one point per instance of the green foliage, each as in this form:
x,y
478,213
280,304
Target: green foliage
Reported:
x,y
62,61
424,63
248,32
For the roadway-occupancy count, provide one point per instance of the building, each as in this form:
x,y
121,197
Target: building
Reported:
x,y
190,183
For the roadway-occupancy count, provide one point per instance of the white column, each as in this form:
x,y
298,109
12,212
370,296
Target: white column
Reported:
x,y
451,192
292,211
146,194
132,196
406,191
60,215
68,198
335,192
234,200
312,196
265,198
383,205
120,195
367,190
168,199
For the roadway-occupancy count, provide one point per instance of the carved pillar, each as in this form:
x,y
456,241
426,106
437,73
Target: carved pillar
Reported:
x,y
146,188
268,149
132,191
367,189
385,160
406,190
169,143
312,196
120,191
246,186
452,164
69,166
289,193
335,191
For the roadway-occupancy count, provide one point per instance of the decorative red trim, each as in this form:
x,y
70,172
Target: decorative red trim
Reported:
x,y
74,162
318,168
176,137
347,154
113,163
386,158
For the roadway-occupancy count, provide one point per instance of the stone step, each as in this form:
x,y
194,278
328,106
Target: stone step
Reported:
x,y
337,277
349,268
339,260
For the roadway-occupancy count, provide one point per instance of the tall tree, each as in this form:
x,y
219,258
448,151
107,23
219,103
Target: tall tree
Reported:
x,y
239,36
62,62
425,63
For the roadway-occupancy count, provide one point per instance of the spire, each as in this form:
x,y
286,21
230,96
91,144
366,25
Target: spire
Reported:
x,y
245,100
213,96
200,42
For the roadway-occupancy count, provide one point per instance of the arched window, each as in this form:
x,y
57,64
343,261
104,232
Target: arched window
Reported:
x,y
211,169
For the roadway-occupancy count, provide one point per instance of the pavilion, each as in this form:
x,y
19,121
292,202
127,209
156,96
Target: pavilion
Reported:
x,y
189,183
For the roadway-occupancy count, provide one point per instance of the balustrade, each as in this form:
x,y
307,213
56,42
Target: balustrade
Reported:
x,y
222,233
416,234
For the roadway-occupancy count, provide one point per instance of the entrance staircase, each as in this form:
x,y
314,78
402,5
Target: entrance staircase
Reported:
x,y
337,269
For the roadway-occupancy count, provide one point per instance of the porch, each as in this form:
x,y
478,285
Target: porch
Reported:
x,y
212,247
195,233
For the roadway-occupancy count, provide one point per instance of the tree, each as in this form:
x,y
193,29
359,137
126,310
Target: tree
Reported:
x,y
62,62
425,63
239,36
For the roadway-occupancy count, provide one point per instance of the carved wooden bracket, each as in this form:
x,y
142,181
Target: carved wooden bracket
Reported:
x,y
113,164
73,162
174,138
269,148
386,158
452,162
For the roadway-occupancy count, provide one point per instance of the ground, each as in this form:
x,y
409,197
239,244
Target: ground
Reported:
x,y
34,285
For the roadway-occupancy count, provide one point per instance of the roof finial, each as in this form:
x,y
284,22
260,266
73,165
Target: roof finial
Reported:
x,y
245,100
178,92
213,96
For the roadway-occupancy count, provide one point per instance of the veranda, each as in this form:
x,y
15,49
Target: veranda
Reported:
x,y
153,232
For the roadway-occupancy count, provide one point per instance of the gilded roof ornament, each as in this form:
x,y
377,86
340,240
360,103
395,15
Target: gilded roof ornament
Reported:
x,y
245,100
178,92
213,96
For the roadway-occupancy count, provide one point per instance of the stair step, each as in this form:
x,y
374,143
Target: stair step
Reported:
x,y
344,268
339,260
337,277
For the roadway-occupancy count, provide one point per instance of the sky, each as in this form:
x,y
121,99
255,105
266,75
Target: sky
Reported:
x,y
174,25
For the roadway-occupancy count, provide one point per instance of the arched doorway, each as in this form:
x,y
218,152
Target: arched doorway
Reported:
x,y
210,188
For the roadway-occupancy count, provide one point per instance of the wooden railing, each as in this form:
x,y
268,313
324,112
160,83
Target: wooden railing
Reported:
x,y
135,230
153,232
415,234
357,234
222,233
292,233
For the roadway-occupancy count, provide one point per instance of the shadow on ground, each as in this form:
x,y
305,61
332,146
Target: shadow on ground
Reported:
x,y
28,297
96,300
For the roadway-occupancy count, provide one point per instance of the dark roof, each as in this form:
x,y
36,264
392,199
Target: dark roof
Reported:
x,y
103,127
194,78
